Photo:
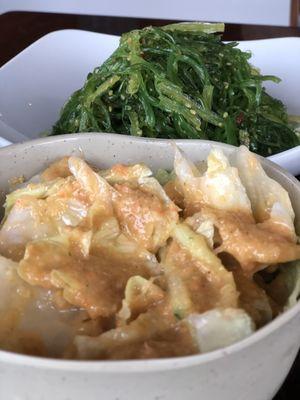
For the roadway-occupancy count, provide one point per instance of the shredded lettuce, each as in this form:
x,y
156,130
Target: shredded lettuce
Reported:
x,y
140,294
209,264
163,176
219,187
34,190
270,202
120,173
219,328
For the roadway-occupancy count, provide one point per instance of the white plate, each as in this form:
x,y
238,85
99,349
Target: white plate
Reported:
x,y
36,83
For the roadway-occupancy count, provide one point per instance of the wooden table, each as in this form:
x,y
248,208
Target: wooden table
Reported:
x,y
19,29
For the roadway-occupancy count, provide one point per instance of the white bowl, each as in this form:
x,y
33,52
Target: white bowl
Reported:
x,y
251,369
36,83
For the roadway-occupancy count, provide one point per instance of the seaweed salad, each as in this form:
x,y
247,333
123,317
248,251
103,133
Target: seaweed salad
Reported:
x,y
180,81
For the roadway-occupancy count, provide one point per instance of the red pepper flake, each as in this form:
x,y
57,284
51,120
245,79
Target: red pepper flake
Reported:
x,y
240,118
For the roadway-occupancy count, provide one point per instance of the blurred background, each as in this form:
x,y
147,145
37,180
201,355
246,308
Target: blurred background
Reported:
x,y
264,12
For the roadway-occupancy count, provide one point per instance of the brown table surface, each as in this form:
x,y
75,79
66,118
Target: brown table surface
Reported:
x,y
19,29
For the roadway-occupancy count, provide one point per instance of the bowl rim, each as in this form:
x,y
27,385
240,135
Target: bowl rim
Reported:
x,y
151,365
